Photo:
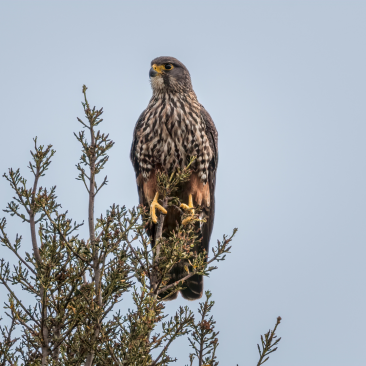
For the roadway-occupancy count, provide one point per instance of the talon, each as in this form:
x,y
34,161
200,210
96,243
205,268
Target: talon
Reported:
x,y
155,205
189,207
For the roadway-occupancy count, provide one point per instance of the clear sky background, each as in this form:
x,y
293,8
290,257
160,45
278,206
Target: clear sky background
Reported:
x,y
285,82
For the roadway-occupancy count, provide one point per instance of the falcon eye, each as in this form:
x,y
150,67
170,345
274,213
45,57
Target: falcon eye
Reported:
x,y
168,66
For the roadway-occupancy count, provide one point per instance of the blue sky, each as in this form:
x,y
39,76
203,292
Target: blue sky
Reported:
x,y
285,84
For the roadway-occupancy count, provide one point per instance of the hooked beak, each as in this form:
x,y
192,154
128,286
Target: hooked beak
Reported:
x,y
152,73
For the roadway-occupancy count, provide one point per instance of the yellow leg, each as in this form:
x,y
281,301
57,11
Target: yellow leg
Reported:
x,y
155,205
189,207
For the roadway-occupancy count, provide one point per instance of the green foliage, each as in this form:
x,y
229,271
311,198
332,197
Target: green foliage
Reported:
x,y
76,283
204,338
268,342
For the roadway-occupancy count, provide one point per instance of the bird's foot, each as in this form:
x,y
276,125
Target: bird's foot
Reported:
x,y
190,208
156,205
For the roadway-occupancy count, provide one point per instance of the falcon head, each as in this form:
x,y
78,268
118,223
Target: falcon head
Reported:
x,y
167,74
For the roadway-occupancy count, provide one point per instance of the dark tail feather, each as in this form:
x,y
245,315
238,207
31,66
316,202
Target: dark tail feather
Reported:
x,y
194,285
169,298
193,288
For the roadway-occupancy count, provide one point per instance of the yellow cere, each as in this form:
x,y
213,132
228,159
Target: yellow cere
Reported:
x,y
161,68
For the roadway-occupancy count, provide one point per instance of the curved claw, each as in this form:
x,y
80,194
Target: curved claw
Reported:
x,y
155,205
189,207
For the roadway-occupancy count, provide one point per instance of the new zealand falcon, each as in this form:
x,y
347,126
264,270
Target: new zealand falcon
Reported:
x,y
173,128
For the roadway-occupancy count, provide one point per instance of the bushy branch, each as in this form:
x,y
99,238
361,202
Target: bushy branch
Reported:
x,y
8,357
76,283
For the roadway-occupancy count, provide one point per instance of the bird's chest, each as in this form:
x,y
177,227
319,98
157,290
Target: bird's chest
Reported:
x,y
171,132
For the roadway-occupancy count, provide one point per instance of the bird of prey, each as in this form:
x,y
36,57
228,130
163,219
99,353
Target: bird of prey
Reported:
x,y
173,128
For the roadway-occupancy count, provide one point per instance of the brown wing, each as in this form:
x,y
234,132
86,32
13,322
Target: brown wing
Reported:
x,y
213,139
133,145
142,199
